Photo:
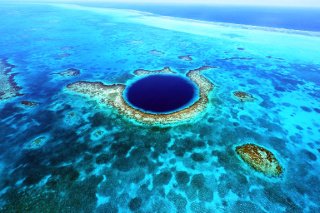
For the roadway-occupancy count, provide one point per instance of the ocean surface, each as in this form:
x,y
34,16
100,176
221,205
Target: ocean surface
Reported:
x,y
278,17
65,152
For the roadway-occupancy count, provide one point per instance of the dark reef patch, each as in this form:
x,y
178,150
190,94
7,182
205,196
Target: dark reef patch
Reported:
x,y
182,177
103,158
198,157
198,181
29,103
317,110
162,179
306,109
205,194
135,203
178,200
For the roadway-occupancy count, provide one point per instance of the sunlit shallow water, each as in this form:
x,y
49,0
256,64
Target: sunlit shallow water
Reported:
x,y
71,153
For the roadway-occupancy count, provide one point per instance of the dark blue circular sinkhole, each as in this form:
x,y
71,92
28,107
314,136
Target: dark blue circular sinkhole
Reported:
x,y
161,93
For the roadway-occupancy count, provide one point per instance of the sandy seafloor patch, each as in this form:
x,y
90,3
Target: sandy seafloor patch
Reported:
x,y
94,160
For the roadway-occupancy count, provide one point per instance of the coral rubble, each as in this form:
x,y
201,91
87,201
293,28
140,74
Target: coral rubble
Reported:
x,y
112,95
261,159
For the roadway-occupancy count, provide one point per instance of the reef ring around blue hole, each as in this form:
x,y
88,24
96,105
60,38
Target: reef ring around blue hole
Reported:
x,y
161,93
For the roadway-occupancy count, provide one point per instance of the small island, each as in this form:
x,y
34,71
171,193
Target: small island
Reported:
x,y
243,96
260,159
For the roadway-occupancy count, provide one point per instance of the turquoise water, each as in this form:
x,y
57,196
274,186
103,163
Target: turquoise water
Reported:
x,y
70,153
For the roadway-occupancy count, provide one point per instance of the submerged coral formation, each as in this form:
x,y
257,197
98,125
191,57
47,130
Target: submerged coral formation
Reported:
x,y
261,159
112,95
185,57
156,52
37,142
97,134
243,96
8,86
71,118
69,72
29,103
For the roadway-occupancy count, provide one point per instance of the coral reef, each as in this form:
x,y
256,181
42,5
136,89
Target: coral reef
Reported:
x,y
112,95
237,58
8,86
243,96
141,72
261,159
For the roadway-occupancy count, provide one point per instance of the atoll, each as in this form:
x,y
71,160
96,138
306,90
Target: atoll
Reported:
x,y
112,95
260,159
8,86
243,96
69,72
185,57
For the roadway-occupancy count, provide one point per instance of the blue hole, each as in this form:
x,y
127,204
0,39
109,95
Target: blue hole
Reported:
x,y
161,94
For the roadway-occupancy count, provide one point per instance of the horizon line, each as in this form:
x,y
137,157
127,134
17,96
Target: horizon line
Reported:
x,y
175,2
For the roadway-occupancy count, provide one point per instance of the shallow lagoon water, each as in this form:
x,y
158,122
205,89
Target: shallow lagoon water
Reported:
x,y
72,153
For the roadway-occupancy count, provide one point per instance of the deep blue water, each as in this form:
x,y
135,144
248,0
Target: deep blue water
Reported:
x,y
279,17
151,95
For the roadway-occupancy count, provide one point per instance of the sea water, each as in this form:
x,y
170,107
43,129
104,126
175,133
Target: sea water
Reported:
x,y
71,153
